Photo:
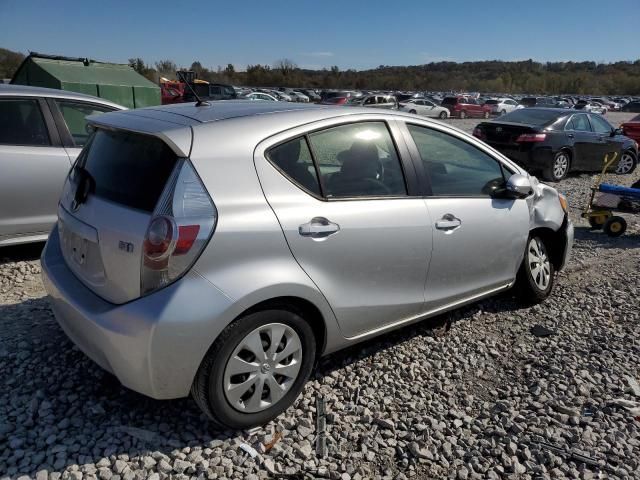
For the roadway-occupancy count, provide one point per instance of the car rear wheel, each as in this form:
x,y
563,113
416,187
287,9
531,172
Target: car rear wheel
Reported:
x,y
443,115
535,278
463,115
558,168
486,114
412,111
627,163
255,369
503,112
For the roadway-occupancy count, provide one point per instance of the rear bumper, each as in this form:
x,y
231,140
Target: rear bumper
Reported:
x,y
154,344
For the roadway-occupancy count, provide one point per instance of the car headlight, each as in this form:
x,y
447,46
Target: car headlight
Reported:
x,y
563,202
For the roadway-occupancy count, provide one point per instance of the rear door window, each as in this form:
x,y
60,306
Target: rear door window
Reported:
x,y
22,123
127,168
74,114
358,160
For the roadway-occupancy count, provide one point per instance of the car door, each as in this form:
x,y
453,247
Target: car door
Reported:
x,y
478,238
33,167
352,217
608,143
586,147
70,117
427,109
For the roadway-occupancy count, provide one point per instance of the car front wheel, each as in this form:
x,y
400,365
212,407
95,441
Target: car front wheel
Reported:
x,y
535,278
627,163
255,369
443,115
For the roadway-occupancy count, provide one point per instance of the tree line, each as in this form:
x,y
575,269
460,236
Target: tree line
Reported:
x,y
619,78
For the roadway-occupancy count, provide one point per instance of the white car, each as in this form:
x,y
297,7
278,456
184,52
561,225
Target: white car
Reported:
x,y
260,96
500,106
422,106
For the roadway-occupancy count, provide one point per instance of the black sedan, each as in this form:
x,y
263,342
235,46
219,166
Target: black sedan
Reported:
x,y
552,142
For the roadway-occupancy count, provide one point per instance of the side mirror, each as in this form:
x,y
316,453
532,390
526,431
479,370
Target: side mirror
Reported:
x,y
616,131
519,186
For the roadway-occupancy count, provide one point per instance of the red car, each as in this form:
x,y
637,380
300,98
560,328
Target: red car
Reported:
x,y
463,107
631,128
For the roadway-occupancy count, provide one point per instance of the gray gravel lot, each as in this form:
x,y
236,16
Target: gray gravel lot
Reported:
x,y
473,394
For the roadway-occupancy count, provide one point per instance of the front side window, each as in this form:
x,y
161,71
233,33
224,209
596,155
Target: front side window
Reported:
x,y
600,125
74,114
455,167
21,123
358,160
293,158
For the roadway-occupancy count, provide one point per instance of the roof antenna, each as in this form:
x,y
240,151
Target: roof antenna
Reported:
x,y
200,102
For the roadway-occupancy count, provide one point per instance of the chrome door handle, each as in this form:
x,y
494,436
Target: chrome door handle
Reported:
x,y
448,222
318,227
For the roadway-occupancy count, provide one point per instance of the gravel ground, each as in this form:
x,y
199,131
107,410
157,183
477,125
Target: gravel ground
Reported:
x,y
474,394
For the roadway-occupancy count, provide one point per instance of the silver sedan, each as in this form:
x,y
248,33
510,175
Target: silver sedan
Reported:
x,y
219,250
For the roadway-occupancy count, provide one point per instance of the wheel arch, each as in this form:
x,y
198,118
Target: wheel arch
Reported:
x,y
555,241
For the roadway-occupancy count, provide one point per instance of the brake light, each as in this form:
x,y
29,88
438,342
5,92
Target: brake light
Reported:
x,y
181,226
532,137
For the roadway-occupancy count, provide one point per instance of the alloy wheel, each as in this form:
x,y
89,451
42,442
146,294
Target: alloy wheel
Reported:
x,y
560,165
262,368
539,264
625,165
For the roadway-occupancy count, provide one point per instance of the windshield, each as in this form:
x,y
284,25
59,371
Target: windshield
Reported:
x,y
530,116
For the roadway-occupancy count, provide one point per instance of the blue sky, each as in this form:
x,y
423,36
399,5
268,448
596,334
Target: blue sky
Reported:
x,y
357,34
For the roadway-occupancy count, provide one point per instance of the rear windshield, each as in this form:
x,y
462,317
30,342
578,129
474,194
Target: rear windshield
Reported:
x,y
128,168
530,116
491,102
449,101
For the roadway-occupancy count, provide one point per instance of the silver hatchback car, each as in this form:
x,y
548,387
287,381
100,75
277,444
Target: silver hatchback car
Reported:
x,y
219,250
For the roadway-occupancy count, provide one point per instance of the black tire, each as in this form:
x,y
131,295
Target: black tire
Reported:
x,y
503,112
633,166
413,111
526,288
553,173
486,114
443,115
463,114
208,385
615,226
597,222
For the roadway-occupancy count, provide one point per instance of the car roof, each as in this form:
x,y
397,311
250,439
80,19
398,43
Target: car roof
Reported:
x,y
29,91
220,110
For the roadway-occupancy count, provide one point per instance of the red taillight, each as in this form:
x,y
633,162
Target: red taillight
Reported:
x,y
532,137
187,235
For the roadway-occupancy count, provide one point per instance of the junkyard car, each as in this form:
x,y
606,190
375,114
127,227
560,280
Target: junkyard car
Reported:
x,y
422,106
220,249
41,133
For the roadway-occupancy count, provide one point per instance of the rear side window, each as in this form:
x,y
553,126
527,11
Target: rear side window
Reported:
x,y
128,168
21,123
455,167
294,160
74,115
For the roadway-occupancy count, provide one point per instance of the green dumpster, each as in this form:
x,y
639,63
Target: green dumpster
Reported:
x,y
119,83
